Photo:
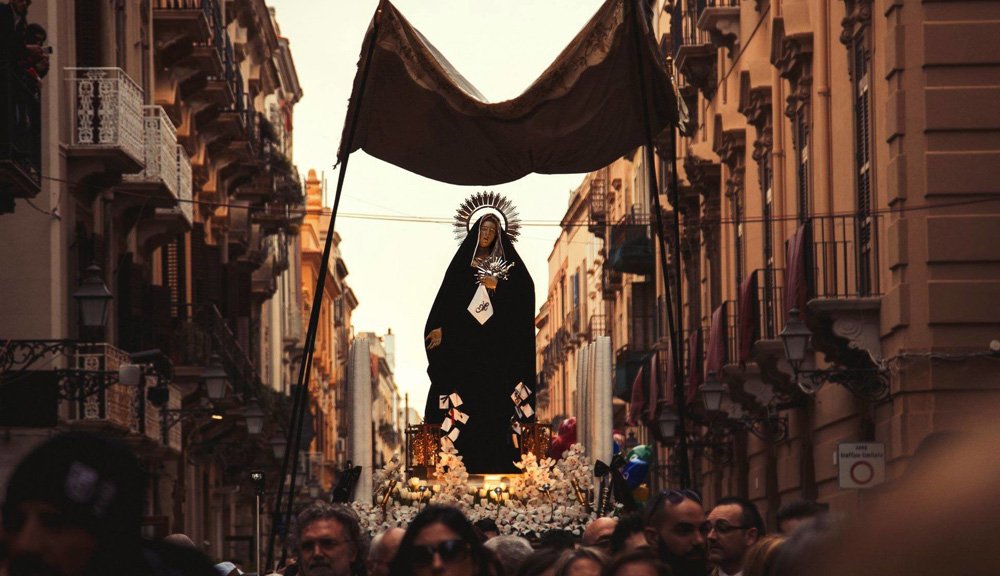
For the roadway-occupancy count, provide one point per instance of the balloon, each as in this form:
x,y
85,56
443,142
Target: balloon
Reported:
x,y
565,438
641,452
635,473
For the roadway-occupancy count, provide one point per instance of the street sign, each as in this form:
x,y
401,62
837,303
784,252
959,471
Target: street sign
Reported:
x,y
862,464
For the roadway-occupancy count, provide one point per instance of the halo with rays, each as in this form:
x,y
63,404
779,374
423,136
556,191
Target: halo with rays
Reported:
x,y
490,202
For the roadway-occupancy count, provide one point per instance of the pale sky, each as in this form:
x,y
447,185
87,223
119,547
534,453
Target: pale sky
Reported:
x,y
397,267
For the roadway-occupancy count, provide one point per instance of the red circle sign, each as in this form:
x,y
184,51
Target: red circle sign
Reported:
x,y
862,472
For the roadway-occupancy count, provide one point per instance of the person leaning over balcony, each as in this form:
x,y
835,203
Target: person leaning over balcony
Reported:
x,y
13,24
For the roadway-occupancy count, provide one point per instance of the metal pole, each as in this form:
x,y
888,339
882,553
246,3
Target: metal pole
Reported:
x,y
675,319
256,544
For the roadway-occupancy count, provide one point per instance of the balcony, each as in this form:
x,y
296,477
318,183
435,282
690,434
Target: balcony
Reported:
x,y
721,20
190,49
694,54
630,247
112,408
611,282
20,140
597,326
158,182
844,288
599,204
107,128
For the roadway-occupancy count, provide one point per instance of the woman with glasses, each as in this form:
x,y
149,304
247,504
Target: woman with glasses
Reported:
x,y
441,541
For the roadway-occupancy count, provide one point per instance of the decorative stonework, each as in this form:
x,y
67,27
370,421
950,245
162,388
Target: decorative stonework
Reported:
x,y
723,26
859,15
792,55
697,63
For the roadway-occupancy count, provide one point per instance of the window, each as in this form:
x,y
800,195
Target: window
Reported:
x,y
802,161
767,216
861,78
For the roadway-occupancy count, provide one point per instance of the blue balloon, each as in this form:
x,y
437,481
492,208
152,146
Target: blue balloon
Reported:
x,y
635,473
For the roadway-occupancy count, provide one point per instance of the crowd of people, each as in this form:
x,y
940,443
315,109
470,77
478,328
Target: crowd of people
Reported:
x,y
74,507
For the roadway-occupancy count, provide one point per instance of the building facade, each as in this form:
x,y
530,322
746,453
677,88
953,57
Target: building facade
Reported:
x,y
165,176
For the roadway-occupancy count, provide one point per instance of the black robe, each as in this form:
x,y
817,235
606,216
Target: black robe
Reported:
x,y
483,363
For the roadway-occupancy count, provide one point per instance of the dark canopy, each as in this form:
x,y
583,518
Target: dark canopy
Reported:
x,y
419,113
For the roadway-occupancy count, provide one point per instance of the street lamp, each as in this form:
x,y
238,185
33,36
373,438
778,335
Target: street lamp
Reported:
x,y
666,421
795,338
215,378
279,445
712,392
94,298
254,417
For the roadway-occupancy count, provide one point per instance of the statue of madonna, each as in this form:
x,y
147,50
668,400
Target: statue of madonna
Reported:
x,y
480,340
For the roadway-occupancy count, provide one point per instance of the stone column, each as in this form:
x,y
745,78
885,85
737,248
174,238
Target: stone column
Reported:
x,y
359,395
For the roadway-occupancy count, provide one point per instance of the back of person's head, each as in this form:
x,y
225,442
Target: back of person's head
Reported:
x,y
540,561
93,483
35,33
510,550
485,525
179,539
558,539
797,511
750,515
761,556
343,515
627,526
564,567
800,550
640,556
451,518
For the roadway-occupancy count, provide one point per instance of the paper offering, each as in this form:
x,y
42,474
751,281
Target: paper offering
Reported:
x,y
461,416
515,397
481,306
528,412
453,435
446,442
522,391
456,400
446,425
516,427
517,409
443,402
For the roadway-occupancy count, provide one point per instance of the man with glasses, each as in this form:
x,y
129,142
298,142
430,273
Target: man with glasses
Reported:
x,y
674,524
329,541
733,526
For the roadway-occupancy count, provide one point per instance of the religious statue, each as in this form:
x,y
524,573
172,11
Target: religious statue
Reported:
x,y
480,340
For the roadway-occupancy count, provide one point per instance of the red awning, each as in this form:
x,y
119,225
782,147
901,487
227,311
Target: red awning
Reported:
x,y
718,353
796,270
748,317
583,112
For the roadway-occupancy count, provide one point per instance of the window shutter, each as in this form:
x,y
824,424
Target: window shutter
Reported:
x,y
88,33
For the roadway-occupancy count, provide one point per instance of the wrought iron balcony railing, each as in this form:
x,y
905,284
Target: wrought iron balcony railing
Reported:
x,y
107,107
599,203
845,256
630,247
597,326
185,206
160,151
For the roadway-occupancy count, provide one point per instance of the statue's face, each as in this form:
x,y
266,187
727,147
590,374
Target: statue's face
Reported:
x,y
487,233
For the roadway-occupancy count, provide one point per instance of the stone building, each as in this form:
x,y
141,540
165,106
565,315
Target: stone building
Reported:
x,y
165,184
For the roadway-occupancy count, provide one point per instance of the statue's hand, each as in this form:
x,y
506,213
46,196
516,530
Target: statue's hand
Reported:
x,y
433,338
490,282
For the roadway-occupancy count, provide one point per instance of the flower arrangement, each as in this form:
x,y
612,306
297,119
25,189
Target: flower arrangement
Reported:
x,y
547,494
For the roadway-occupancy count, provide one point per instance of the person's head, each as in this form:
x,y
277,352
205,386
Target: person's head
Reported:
x,y
597,533
510,551
487,527
382,550
558,539
489,229
20,7
674,520
639,562
797,512
541,562
734,524
628,534
35,34
440,540
74,503
181,540
583,561
328,540
759,559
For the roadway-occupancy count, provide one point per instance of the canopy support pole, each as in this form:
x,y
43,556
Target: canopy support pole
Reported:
x,y
300,394
675,316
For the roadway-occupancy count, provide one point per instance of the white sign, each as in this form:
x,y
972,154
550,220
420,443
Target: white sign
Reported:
x,y
862,464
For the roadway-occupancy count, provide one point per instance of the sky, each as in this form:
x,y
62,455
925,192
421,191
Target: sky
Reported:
x,y
396,267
